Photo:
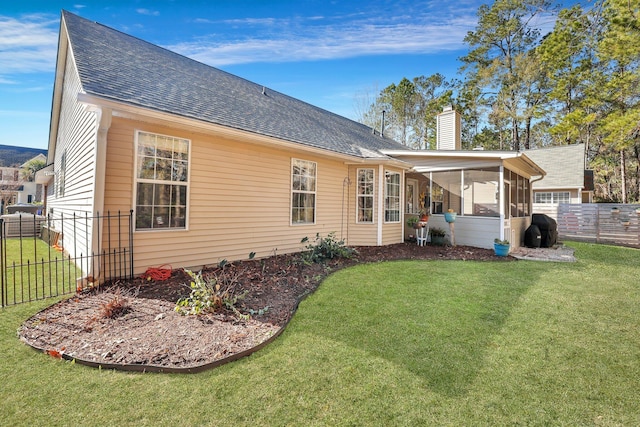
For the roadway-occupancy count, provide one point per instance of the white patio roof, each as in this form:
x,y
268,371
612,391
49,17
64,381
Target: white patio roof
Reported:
x,y
443,160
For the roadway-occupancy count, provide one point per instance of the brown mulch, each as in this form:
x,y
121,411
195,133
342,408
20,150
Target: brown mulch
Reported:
x,y
133,324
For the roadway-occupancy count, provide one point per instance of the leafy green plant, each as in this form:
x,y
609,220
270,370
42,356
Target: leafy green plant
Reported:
x,y
501,242
412,221
210,295
258,312
325,248
437,232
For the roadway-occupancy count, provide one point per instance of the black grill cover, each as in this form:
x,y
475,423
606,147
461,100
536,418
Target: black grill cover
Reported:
x,y
548,229
532,237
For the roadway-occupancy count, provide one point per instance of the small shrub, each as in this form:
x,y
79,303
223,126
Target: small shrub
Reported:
x,y
116,307
325,248
258,312
437,232
211,295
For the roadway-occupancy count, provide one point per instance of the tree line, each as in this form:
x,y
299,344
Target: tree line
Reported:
x,y
523,88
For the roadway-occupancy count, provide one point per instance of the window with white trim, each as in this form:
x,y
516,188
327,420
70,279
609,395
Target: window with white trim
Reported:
x,y
303,191
552,197
162,181
392,197
366,186
60,176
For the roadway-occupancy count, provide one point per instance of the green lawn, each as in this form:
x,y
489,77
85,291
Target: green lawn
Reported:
x,y
36,271
402,343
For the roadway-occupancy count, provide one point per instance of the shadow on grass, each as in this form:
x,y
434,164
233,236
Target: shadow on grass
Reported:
x,y
436,319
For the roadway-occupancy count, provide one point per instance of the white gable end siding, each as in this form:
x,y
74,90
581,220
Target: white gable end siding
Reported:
x,y
76,137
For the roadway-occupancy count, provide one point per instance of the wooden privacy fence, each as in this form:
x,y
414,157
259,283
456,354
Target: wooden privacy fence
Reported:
x,y
609,223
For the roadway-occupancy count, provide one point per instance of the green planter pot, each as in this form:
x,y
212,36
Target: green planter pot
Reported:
x,y
450,216
438,240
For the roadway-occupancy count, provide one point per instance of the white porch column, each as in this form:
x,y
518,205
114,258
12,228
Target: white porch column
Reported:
x,y
502,201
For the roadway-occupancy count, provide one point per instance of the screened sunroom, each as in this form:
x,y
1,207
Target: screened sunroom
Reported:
x,y
490,193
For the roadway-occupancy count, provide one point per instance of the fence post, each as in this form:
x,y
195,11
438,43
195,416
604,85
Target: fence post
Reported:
x,y
3,297
131,243
597,223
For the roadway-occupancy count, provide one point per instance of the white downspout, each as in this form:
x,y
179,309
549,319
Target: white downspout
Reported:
x,y
104,117
381,181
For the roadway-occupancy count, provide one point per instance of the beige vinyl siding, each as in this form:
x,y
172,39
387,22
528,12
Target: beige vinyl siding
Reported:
x,y
76,137
239,200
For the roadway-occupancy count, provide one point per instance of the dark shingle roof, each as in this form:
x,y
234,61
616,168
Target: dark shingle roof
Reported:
x,y
122,68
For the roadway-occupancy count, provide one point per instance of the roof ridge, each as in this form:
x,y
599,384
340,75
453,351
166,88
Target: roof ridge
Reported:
x,y
121,67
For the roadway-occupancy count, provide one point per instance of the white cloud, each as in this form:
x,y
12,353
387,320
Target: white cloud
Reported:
x,y
28,44
321,42
148,12
251,21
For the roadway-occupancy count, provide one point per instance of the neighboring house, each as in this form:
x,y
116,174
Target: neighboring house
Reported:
x,y
31,191
216,167
10,185
14,189
11,155
567,180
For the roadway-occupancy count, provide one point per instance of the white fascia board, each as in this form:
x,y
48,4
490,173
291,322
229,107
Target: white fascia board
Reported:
x,y
467,159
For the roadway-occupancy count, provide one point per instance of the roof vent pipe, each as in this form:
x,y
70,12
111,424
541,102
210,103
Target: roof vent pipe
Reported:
x,y
382,126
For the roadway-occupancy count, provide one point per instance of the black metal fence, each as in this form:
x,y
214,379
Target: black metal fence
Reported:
x,y
43,257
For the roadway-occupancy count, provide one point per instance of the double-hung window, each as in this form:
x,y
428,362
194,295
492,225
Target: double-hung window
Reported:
x,y
552,197
303,191
365,195
392,197
162,181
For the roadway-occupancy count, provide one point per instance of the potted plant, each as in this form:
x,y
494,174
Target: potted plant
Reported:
x,y
501,247
450,215
413,222
424,215
437,236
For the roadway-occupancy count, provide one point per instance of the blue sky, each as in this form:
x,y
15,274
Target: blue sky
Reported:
x,y
333,54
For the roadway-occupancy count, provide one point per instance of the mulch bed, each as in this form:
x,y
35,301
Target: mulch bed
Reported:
x,y
133,325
